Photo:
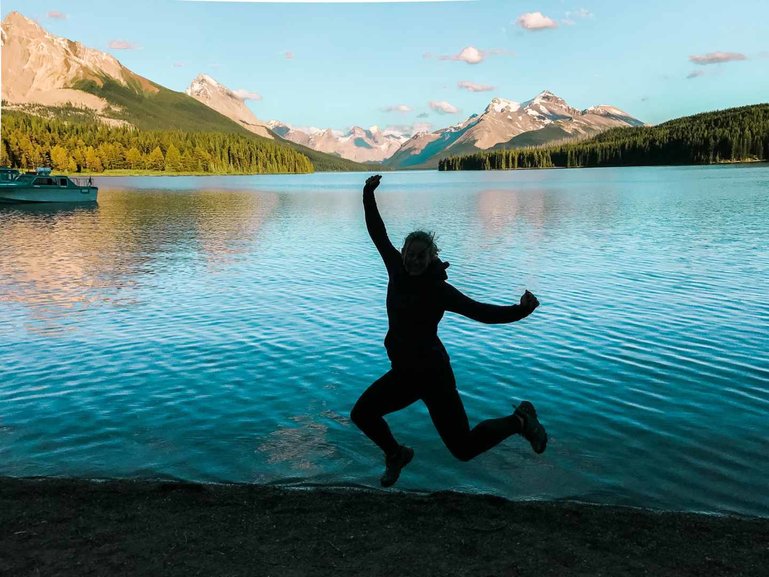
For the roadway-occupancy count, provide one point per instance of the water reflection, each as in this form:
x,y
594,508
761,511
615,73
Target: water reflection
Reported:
x,y
56,260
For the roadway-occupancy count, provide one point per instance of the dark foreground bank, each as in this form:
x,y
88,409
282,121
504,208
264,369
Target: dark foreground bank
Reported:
x,y
67,527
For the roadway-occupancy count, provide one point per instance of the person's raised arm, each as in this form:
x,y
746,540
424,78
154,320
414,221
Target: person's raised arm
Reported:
x,y
457,302
375,224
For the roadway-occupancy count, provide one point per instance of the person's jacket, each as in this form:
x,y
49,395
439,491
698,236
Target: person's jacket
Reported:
x,y
415,304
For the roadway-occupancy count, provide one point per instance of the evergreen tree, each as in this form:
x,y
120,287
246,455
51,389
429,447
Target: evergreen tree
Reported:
x,y
156,160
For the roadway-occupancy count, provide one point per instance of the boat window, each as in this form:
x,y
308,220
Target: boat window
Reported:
x,y
44,181
63,182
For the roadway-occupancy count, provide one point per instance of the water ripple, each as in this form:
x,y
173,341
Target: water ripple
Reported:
x,y
221,330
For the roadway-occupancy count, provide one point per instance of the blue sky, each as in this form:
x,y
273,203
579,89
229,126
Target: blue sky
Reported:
x,y
434,63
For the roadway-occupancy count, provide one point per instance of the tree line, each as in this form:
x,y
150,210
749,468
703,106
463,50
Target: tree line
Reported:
x,y
733,135
30,141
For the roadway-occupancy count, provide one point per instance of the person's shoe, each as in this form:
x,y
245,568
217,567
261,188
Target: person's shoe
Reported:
x,y
394,464
533,431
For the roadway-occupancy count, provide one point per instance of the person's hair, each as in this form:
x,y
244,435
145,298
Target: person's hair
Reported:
x,y
426,237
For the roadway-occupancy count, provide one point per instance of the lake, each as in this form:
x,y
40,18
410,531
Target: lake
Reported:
x,y
219,329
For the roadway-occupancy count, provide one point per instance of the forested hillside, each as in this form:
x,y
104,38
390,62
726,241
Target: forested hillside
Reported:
x,y
75,141
733,135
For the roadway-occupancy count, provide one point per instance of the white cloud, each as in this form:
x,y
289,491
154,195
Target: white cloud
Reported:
x,y
581,13
178,64
288,55
246,95
717,57
398,108
469,54
443,107
473,87
535,21
122,45
56,15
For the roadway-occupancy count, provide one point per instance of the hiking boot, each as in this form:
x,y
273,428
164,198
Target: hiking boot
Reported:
x,y
394,464
532,431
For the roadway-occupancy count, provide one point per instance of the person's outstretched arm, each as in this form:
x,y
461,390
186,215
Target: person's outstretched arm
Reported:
x,y
375,224
457,302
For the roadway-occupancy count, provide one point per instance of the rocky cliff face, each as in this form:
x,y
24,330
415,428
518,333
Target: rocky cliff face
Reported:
x,y
40,68
217,96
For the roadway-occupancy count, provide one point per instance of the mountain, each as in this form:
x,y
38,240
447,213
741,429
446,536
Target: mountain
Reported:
x,y
214,95
54,77
723,136
505,123
39,68
358,144
43,70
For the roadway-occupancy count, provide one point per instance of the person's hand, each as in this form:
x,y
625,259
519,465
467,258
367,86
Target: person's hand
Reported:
x,y
371,183
529,302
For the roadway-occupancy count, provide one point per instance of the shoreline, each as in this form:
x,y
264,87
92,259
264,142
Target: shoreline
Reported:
x,y
77,527
118,173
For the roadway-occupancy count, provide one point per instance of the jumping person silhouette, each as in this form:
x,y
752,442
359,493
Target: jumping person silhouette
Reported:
x,y
417,297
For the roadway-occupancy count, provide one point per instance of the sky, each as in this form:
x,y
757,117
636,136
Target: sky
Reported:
x,y
432,64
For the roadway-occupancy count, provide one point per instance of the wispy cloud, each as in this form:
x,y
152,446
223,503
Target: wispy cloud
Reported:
x,y
178,64
407,130
443,107
573,15
535,21
244,94
422,127
717,57
423,115
288,55
473,87
122,45
695,74
56,15
398,108
469,54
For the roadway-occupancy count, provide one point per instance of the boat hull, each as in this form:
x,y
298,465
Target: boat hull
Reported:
x,y
10,194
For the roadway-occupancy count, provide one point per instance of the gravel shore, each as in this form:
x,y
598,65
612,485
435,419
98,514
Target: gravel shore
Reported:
x,y
68,527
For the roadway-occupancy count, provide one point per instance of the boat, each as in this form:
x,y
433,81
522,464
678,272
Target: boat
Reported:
x,y
42,186
8,173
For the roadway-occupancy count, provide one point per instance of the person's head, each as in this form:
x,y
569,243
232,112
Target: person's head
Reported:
x,y
419,250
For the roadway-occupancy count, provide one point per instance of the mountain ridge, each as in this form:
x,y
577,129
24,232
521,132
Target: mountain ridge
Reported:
x,y
59,74
98,81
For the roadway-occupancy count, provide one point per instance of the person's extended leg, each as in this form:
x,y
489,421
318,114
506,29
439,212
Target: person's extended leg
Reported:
x,y
387,394
450,420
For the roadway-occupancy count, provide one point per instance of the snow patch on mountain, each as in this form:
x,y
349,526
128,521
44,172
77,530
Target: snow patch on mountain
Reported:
x,y
359,144
205,89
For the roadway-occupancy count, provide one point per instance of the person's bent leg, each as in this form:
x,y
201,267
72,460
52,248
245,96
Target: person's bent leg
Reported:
x,y
450,420
387,394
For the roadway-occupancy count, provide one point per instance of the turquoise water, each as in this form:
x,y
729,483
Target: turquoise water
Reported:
x,y
221,328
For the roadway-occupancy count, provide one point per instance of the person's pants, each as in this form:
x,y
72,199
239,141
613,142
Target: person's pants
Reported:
x,y
399,388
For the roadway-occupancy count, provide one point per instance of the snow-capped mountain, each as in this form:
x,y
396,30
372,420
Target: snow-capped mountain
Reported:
x,y
217,96
53,66
359,144
39,68
505,120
